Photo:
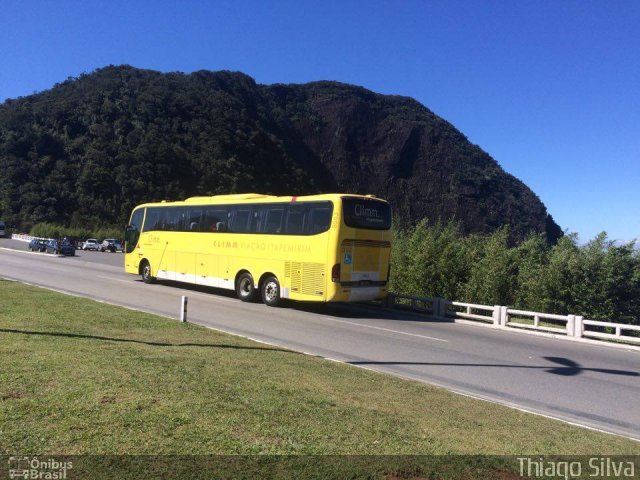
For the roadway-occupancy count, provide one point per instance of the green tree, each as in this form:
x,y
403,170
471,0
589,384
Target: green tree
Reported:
x,y
493,278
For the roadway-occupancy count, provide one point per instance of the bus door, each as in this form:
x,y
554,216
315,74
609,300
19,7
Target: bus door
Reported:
x,y
212,260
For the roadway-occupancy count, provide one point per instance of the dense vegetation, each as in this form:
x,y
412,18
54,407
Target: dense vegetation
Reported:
x,y
52,230
599,280
85,152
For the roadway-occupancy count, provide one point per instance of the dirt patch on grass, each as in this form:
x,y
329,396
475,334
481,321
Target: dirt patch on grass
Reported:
x,y
12,396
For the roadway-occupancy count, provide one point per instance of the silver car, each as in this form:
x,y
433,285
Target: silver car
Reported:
x,y
91,244
110,245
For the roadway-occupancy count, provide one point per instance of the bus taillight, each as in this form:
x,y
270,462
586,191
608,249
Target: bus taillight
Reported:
x,y
335,273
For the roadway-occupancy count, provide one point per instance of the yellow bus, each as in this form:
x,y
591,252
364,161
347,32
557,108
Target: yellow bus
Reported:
x,y
324,248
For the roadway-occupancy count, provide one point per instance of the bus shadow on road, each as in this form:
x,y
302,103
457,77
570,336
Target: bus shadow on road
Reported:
x,y
364,310
213,291
338,310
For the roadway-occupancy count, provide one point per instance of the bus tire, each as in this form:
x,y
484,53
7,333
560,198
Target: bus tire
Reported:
x,y
270,291
245,288
145,272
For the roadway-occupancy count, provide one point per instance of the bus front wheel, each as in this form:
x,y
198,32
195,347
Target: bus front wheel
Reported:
x,y
245,289
270,291
145,272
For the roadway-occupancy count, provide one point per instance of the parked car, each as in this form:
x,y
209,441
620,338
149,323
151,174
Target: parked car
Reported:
x,y
68,247
91,244
110,245
38,245
60,247
75,241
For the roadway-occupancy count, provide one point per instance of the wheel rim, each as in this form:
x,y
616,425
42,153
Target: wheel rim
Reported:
x,y
245,287
271,291
146,272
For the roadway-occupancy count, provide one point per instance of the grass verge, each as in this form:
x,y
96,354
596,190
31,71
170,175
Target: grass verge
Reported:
x,y
81,377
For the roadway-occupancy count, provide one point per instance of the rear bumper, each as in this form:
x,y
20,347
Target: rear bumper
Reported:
x,y
346,293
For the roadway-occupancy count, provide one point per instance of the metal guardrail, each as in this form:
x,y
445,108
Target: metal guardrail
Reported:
x,y
26,238
499,316
413,302
618,329
22,237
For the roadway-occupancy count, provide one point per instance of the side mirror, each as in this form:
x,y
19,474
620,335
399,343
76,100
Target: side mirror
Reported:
x,y
130,233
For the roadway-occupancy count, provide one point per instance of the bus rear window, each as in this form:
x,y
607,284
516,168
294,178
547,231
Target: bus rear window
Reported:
x,y
365,213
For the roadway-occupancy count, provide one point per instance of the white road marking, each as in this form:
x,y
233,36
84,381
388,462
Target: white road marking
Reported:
x,y
387,330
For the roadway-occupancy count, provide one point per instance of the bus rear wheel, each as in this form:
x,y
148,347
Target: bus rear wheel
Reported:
x,y
245,289
145,272
270,291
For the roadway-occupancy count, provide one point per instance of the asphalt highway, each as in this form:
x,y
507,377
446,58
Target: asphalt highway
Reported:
x,y
590,385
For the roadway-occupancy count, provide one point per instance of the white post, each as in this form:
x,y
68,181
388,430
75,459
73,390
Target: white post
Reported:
x,y
183,311
578,327
504,316
571,328
496,315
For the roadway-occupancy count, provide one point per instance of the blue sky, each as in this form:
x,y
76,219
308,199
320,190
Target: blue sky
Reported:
x,y
550,89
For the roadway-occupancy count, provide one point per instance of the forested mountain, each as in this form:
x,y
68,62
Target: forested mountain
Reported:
x,y
86,151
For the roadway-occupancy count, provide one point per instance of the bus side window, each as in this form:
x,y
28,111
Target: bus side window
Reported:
x,y
211,217
240,220
192,219
295,220
152,220
172,219
165,220
273,221
257,219
319,220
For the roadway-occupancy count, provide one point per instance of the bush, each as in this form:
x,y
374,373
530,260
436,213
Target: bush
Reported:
x,y
52,230
430,261
599,280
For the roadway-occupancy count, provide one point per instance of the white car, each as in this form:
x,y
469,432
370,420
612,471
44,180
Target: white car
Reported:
x,y
91,244
110,245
